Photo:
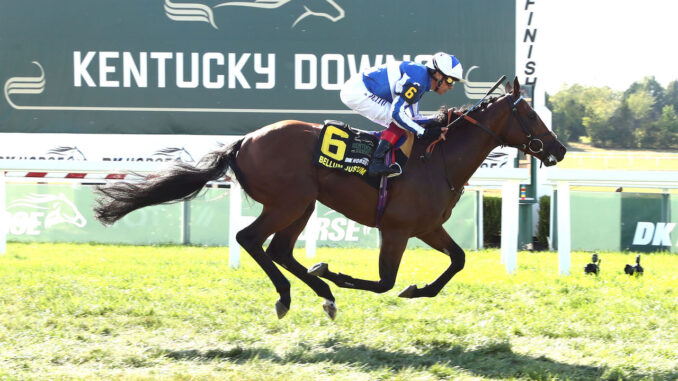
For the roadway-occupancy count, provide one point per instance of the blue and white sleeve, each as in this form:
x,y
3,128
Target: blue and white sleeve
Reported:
x,y
407,94
419,118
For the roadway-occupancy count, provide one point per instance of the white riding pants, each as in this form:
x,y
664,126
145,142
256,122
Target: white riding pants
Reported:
x,y
355,95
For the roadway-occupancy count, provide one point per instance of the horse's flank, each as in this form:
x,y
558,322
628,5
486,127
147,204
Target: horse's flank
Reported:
x,y
280,157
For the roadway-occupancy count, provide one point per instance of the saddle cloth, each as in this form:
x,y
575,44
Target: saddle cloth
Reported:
x,y
349,150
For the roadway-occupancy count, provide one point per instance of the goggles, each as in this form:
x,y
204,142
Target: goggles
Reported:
x,y
450,80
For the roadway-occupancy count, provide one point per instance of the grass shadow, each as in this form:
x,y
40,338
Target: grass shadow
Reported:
x,y
496,360
492,361
235,353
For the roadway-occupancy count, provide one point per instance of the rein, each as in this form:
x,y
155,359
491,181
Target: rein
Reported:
x,y
534,144
460,115
513,105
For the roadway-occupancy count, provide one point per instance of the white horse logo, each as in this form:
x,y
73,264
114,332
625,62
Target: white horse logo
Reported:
x,y
328,9
175,153
477,90
70,153
59,209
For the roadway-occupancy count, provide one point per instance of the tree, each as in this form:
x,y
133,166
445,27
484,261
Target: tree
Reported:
x,y
642,116
666,129
568,113
641,104
671,95
623,125
651,88
601,104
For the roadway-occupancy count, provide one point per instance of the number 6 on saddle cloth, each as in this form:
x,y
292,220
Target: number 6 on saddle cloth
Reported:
x,y
347,149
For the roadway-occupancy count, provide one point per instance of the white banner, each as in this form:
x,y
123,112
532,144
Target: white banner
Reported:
x,y
144,148
114,147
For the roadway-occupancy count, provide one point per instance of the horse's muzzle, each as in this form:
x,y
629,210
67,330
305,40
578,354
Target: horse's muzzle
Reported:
x,y
554,152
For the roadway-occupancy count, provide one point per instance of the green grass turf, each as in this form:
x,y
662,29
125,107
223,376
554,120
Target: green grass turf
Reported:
x,y
180,313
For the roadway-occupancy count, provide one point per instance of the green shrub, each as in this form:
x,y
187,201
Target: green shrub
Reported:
x,y
492,221
544,224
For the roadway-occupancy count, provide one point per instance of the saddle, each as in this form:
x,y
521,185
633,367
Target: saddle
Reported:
x,y
347,149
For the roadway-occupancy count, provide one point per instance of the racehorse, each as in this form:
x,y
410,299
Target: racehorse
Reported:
x,y
274,166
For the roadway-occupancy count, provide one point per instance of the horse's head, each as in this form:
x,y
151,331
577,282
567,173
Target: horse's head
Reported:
x,y
526,131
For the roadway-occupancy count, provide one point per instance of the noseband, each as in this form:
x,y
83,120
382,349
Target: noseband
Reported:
x,y
535,144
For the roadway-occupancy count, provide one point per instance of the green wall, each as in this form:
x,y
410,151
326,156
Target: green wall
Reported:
x,y
595,220
86,47
643,222
63,213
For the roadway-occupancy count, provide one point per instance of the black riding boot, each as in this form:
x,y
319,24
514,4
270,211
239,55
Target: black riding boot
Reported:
x,y
377,166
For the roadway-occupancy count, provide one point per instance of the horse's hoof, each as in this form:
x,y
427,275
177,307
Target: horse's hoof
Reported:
x,y
281,309
408,292
319,269
330,308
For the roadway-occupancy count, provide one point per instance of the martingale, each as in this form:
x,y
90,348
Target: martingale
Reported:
x,y
347,149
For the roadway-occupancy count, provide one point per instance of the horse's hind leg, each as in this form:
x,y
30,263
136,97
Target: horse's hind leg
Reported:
x,y
441,241
251,238
392,247
281,251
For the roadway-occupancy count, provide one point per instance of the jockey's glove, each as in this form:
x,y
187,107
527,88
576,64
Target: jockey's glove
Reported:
x,y
431,133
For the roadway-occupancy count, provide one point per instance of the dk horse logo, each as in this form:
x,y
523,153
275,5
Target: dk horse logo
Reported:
x,y
57,209
68,153
175,154
328,9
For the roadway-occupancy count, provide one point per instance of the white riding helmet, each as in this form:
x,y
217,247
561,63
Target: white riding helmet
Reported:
x,y
447,64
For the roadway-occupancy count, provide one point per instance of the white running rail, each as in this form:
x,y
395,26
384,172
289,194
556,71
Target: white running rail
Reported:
x,y
508,179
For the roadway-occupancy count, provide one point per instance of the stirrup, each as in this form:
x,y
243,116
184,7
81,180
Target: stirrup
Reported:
x,y
380,169
396,167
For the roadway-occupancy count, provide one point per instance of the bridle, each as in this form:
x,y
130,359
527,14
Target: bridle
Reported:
x,y
528,132
535,144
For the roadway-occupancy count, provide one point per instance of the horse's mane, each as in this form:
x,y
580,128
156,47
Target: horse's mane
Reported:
x,y
440,117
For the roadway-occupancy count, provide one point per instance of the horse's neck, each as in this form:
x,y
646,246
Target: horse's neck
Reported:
x,y
471,149
467,146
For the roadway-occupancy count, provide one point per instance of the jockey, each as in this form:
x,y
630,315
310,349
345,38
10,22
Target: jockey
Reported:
x,y
389,95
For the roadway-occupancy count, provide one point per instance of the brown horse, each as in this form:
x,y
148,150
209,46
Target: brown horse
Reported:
x,y
274,165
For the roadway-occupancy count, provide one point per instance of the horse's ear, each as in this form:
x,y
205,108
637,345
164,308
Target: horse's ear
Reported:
x,y
516,87
508,87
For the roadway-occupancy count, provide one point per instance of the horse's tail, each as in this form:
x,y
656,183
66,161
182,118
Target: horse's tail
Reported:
x,y
181,182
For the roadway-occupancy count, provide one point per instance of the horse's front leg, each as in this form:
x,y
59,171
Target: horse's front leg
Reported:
x,y
392,247
441,241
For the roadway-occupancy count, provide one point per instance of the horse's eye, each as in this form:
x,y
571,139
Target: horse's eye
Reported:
x,y
532,115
